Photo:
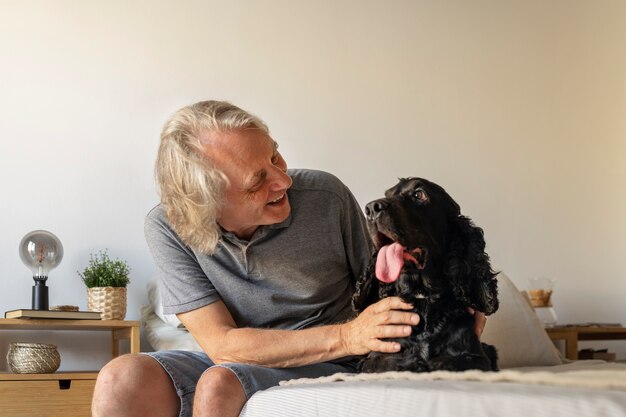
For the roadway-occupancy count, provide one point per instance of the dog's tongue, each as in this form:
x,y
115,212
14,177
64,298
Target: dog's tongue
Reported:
x,y
389,262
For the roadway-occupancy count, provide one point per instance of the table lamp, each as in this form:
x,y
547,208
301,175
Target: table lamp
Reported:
x,y
41,251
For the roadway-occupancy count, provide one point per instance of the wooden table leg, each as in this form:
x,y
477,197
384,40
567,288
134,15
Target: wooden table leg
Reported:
x,y
131,334
134,340
571,346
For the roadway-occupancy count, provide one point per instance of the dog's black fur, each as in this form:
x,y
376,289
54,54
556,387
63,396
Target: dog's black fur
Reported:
x,y
445,271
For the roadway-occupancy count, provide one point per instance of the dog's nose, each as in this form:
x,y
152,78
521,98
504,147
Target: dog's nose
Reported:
x,y
375,208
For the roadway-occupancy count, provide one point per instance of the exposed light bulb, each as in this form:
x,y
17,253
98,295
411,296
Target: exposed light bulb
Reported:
x,y
41,251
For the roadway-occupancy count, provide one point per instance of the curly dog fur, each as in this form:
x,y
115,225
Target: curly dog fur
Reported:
x,y
436,260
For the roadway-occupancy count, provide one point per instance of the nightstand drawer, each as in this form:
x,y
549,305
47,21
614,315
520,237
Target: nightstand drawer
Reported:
x,y
47,398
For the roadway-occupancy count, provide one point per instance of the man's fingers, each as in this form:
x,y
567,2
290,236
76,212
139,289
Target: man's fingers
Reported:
x,y
386,332
397,317
385,347
384,320
391,303
479,320
479,323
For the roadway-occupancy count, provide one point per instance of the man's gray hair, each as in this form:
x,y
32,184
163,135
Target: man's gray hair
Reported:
x,y
191,188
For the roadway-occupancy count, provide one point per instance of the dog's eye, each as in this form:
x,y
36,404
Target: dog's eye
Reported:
x,y
420,194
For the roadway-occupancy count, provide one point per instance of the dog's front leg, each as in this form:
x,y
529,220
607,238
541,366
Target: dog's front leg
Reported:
x,y
463,351
411,358
366,291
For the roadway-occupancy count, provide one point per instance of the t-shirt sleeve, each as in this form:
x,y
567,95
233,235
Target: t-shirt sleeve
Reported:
x,y
184,285
357,243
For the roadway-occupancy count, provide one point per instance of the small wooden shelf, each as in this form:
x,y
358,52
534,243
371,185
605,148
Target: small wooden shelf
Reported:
x,y
59,394
120,329
572,334
56,324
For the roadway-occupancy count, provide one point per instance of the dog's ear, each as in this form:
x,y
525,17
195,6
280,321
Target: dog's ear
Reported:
x,y
367,287
468,268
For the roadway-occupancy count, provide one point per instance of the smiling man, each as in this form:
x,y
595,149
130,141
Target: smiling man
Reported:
x,y
258,177
258,262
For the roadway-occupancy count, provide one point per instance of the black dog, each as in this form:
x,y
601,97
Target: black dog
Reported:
x,y
430,255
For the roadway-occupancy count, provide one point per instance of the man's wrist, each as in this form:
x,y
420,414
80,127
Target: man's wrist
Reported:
x,y
343,332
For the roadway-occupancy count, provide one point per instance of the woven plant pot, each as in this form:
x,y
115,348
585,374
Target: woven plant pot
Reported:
x,y
109,301
33,358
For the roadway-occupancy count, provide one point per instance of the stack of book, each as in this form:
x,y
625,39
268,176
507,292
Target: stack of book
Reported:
x,y
50,314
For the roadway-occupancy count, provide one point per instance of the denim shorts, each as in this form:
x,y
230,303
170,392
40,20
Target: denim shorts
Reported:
x,y
185,369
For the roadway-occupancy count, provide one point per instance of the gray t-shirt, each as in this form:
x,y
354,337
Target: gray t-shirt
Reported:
x,y
292,275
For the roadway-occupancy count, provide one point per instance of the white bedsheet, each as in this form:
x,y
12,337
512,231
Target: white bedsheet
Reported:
x,y
440,398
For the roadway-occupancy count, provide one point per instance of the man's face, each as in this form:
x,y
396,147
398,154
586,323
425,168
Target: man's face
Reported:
x,y
257,194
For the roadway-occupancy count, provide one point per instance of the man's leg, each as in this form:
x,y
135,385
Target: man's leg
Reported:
x,y
218,393
224,389
134,386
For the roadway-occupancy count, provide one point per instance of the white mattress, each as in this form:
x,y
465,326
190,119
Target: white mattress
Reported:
x,y
415,398
401,398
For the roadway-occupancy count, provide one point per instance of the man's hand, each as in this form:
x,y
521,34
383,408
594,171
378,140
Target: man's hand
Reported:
x,y
479,321
382,320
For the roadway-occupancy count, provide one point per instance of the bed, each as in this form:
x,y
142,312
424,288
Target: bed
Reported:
x,y
535,380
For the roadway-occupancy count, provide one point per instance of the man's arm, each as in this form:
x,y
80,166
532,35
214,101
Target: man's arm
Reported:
x,y
215,330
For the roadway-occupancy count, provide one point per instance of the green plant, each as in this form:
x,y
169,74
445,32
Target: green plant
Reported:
x,y
105,272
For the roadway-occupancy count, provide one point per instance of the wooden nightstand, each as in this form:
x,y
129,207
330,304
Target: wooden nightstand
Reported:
x,y
60,394
572,334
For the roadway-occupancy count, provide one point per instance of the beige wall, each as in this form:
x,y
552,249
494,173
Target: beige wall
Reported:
x,y
515,107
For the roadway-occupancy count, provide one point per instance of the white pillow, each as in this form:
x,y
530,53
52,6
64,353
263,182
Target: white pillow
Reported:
x,y
516,331
163,336
154,297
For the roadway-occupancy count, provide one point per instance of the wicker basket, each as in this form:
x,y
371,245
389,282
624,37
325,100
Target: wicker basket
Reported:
x,y
109,301
33,358
540,297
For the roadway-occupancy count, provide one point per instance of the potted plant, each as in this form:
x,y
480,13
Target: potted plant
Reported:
x,y
106,281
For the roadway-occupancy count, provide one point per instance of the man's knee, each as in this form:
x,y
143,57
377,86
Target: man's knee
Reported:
x,y
130,384
127,372
217,388
217,380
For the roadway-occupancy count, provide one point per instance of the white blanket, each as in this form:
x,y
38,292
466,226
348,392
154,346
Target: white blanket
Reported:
x,y
581,374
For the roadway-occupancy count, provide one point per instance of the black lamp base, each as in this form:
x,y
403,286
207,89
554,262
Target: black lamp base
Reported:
x,y
40,296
